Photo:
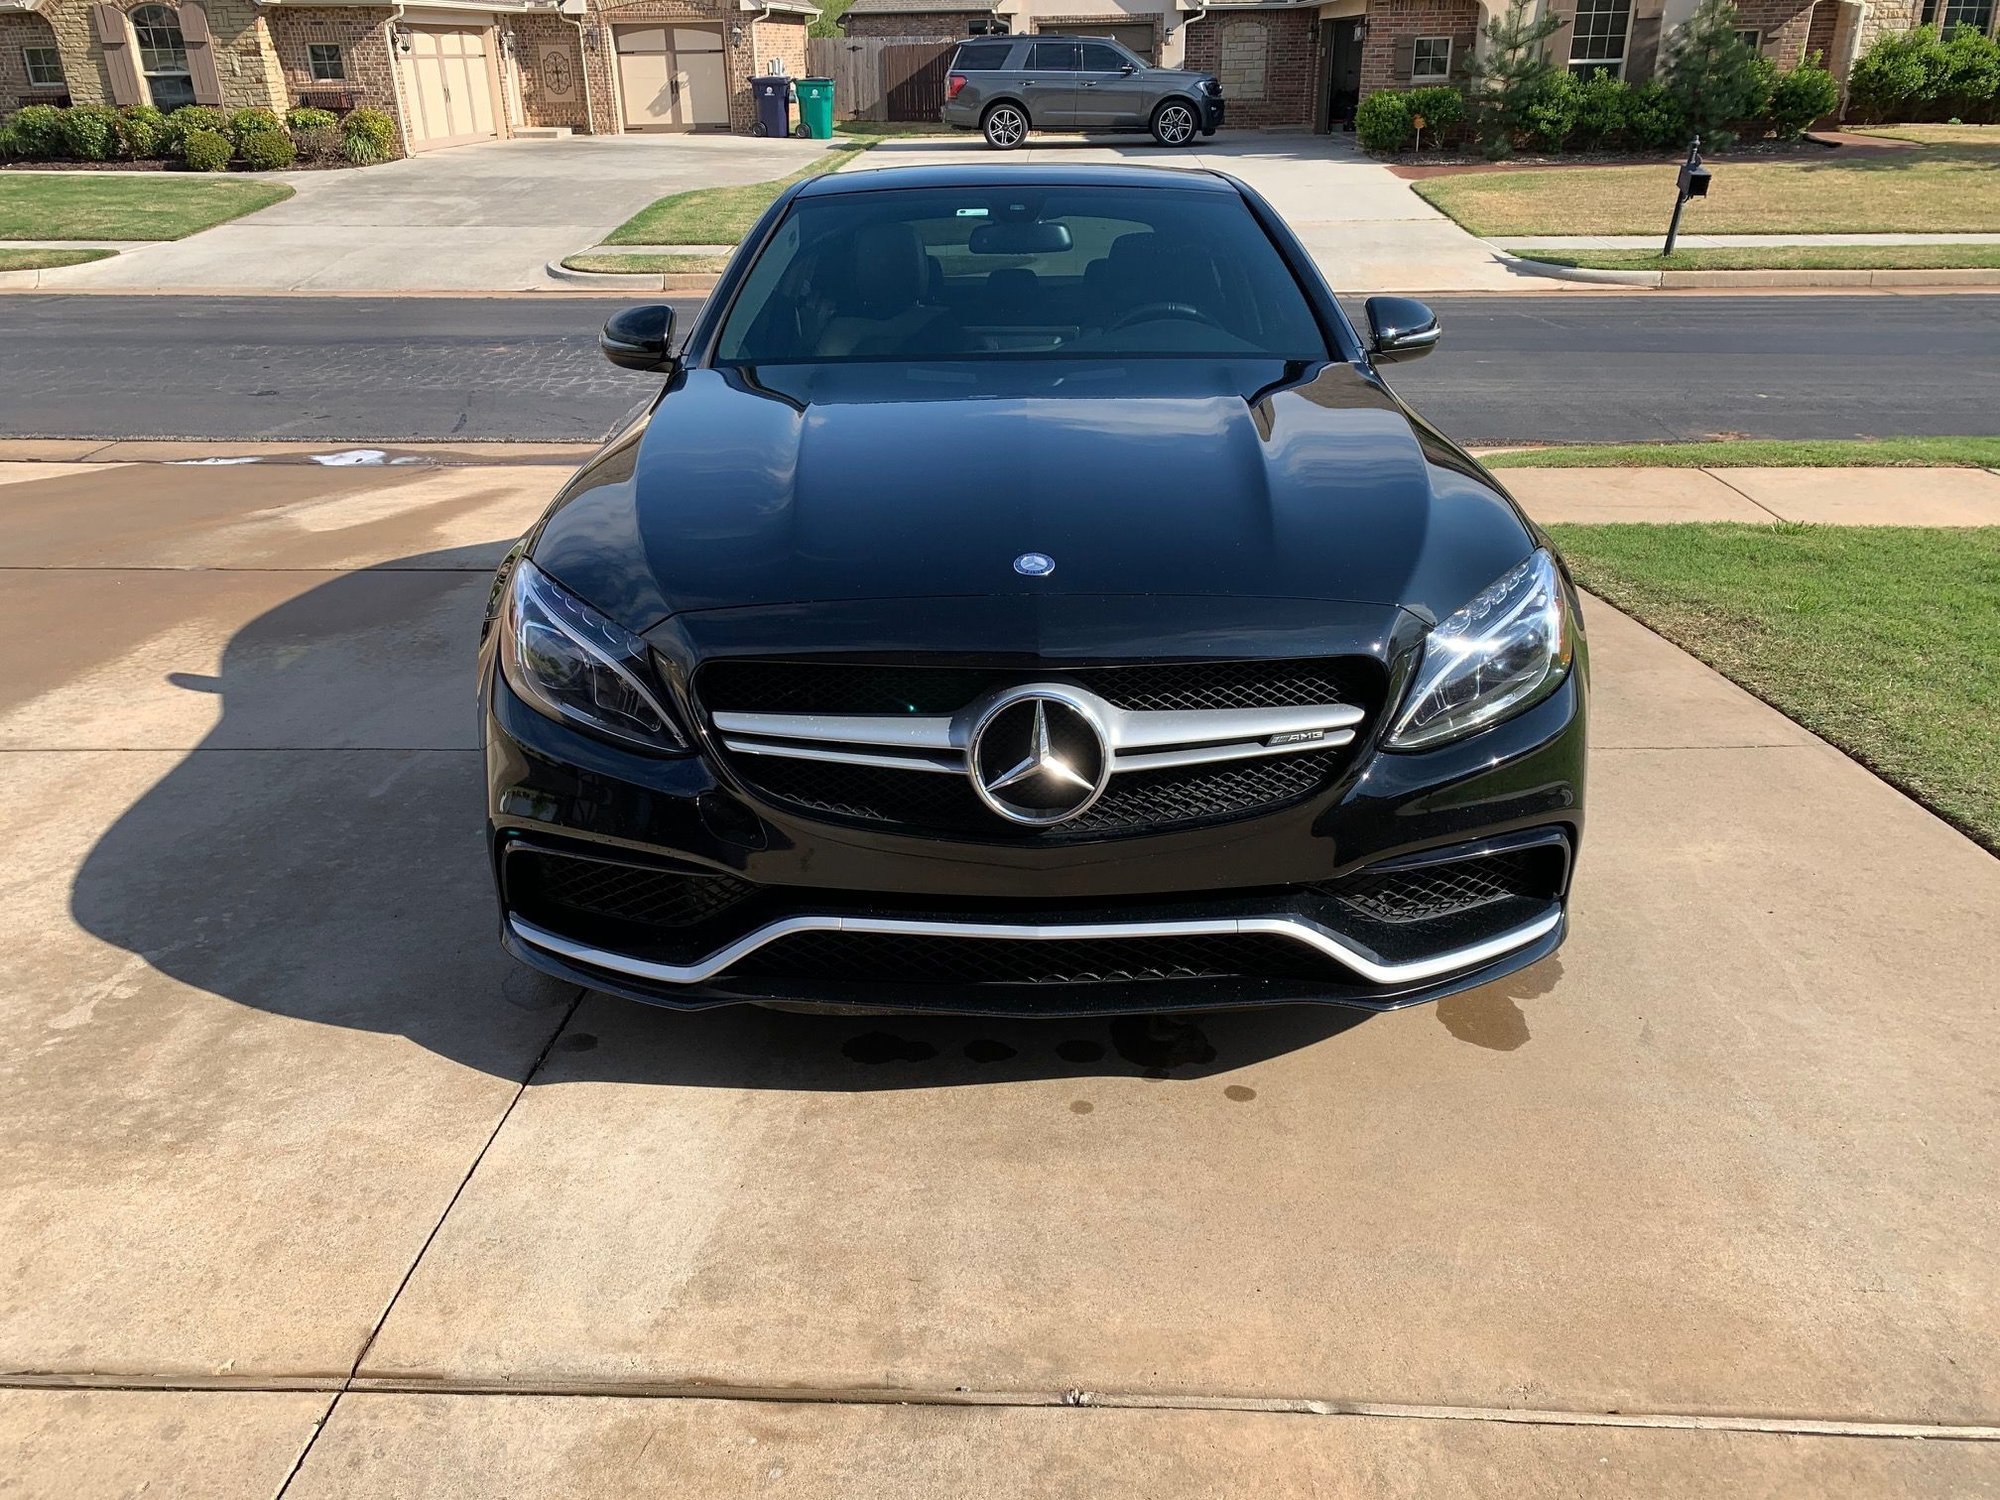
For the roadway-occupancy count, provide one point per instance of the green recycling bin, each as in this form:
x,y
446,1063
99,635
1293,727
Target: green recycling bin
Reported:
x,y
816,107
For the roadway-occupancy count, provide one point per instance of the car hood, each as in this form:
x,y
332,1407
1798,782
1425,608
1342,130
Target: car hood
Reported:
x,y
810,485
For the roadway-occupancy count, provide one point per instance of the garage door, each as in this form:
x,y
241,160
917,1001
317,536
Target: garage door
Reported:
x,y
447,87
672,77
1135,39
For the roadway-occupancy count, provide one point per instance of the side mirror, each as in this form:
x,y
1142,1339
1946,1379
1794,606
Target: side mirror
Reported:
x,y
640,338
1404,328
1129,69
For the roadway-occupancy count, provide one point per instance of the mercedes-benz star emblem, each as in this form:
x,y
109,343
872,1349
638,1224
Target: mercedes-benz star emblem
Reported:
x,y
1039,756
1034,564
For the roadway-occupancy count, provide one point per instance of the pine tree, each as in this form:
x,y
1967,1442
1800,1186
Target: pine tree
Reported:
x,y
1509,73
1714,73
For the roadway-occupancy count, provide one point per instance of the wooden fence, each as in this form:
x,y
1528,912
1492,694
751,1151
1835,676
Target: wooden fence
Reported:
x,y
882,77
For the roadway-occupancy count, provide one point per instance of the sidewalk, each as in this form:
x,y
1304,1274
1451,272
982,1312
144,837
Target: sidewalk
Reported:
x,y
1834,497
1723,241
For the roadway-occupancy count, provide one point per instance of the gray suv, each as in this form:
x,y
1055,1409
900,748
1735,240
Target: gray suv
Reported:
x,y
1006,86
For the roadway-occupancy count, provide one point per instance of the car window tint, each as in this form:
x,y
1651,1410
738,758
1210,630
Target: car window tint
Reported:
x,y
1056,57
980,273
981,57
1098,58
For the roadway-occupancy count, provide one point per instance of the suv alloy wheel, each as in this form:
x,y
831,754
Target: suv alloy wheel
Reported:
x,y
1174,123
1006,126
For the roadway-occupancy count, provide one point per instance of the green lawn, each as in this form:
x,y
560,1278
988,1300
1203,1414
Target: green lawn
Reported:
x,y
1883,640
887,130
1756,453
1944,188
719,216
1937,135
648,264
100,206
48,260
1780,258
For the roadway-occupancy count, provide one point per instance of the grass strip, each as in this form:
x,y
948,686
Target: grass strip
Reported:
x,y
645,264
48,260
1883,640
104,206
723,215
1780,258
1760,453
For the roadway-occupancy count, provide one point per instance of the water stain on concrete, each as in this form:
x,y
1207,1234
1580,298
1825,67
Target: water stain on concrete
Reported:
x,y
1081,1106
1240,1093
1488,1016
1078,1050
1160,1043
581,1041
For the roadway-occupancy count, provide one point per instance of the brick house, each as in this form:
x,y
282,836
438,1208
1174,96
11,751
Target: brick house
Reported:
x,y
1308,63
450,72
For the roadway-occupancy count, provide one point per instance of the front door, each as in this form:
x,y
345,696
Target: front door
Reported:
x,y
672,77
1108,97
1342,71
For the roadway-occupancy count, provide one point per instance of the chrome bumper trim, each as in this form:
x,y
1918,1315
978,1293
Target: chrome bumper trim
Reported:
x,y
1297,929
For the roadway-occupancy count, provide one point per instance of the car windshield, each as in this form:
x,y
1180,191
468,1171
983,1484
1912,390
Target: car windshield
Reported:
x,y
980,273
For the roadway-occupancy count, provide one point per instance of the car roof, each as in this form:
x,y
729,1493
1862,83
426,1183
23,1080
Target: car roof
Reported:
x,y
984,175
1038,36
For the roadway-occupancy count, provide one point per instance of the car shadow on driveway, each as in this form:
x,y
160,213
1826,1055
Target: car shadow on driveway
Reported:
x,y
320,856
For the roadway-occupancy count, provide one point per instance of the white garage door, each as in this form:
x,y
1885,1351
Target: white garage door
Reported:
x,y
672,77
447,87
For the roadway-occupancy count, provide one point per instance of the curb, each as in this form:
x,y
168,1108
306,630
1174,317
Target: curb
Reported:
x,y
635,281
1670,280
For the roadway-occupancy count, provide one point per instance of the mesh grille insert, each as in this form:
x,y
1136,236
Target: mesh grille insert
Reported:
x,y
889,959
624,893
1428,892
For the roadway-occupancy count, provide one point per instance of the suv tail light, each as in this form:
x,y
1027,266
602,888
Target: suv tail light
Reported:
x,y
952,84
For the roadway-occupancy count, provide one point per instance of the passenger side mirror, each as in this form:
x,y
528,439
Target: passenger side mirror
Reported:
x,y
1129,69
1403,327
640,338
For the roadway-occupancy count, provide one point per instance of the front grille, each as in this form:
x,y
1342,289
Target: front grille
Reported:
x,y
538,879
1134,802
887,959
1424,893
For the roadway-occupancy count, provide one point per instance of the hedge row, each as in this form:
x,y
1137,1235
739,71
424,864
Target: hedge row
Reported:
x,y
1919,75
202,138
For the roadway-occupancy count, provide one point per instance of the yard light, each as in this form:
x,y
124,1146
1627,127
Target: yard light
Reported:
x,y
1692,183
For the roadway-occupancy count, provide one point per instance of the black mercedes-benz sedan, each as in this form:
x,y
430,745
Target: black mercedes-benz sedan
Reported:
x,y
1026,595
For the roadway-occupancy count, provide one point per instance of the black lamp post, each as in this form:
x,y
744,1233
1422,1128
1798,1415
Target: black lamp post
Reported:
x,y
1693,184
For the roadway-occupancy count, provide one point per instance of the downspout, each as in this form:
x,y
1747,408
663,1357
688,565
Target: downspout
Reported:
x,y
1181,31
583,62
396,78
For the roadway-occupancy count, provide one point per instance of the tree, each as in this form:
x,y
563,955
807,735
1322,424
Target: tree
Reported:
x,y
1714,74
1508,75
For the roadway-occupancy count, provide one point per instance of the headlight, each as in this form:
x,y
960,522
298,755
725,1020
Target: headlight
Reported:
x,y
1505,651
569,662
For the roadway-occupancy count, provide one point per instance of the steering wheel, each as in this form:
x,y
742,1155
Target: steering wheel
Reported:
x,y
1149,311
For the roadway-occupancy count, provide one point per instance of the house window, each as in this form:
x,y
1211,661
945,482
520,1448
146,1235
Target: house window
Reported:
x,y
1752,39
1978,14
44,67
163,57
1432,58
1597,42
325,62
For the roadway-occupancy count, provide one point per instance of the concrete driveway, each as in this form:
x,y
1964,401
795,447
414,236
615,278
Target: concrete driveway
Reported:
x,y
486,217
293,1162
1361,222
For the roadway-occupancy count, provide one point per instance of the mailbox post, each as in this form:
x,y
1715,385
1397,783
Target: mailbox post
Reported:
x,y
1693,184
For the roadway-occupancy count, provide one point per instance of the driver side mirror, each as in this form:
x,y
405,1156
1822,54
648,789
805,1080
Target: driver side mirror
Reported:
x,y
640,338
1403,327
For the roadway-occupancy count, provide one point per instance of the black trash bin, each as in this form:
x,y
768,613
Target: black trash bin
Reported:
x,y
774,105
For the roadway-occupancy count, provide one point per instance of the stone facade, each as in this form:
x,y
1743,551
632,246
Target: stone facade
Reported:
x,y
363,38
550,71
17,32
1266,60
246,63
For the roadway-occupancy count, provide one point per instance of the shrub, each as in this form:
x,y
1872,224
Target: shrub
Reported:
x,y
10,146
1800,97
266,150
1713,74
1969,81
206,150
321,143
1653,118
1440,106
1916,75
367,135
304,118
1552,111
1508,75
38,132
1383,120
140,130
1603,107
89,132
183,122
248,122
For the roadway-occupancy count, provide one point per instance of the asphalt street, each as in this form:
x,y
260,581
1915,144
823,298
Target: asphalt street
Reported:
x,y
1590,368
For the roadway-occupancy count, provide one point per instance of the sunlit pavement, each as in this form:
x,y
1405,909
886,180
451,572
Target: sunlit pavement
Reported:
x,y
293,1161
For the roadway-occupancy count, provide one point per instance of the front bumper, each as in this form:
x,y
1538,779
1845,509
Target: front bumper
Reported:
x,y
1256,911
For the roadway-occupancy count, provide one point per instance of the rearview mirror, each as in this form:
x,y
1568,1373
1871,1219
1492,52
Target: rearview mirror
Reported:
x,y
1019,239
640,338
1403,327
